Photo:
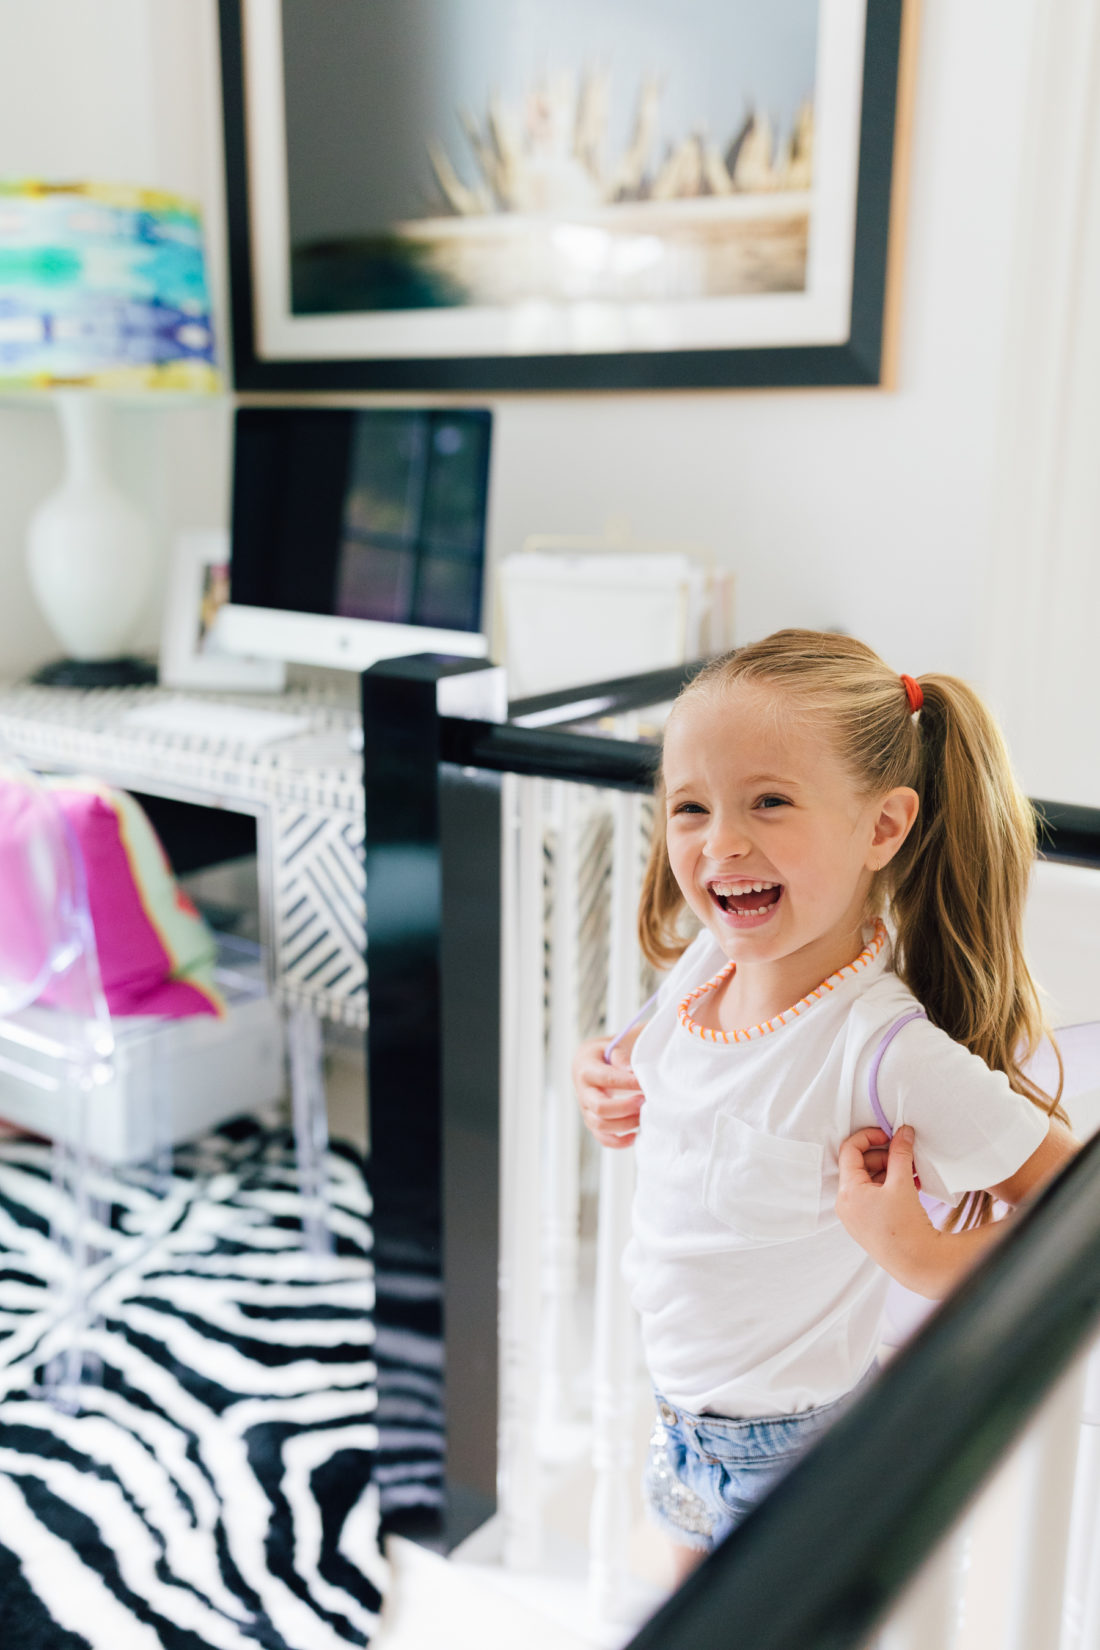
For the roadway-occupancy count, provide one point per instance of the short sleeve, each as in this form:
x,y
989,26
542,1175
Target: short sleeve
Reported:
x,y
972,1130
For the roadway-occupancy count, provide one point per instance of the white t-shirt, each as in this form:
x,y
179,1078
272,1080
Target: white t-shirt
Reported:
x,y
753,1298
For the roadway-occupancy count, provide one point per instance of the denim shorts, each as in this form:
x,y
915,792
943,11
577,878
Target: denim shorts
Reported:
x,y
705,1473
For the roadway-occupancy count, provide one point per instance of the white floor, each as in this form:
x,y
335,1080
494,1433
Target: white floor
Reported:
x,y
471,1602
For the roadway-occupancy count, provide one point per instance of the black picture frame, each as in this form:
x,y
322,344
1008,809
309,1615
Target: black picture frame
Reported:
x,y
863,359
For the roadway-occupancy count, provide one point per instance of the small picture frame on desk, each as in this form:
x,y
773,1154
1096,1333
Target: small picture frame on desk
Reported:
x,y
190,655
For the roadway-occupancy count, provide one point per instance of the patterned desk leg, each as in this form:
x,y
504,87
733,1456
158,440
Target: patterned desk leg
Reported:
x,y
315,863
320,911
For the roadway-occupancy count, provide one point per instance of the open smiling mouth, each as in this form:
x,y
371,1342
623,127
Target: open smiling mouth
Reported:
x,y
744,901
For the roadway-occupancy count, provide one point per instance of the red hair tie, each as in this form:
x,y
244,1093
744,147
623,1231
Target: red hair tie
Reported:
x,y
913,693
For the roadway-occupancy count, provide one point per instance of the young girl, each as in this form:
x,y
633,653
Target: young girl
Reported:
x,y
806,793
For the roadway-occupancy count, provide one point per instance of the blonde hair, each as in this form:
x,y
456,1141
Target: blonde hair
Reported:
x,y
956,889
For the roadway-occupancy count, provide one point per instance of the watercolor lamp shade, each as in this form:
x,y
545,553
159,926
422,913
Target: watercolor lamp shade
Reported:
x,y
102,294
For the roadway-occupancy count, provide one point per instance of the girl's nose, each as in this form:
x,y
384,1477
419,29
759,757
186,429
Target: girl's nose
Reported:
x,y
725,840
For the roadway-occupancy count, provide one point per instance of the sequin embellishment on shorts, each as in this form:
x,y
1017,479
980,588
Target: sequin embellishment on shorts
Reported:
x,y
670,1498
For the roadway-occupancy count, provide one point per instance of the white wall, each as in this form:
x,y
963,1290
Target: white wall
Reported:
x,y
1046,593
854,508
864,509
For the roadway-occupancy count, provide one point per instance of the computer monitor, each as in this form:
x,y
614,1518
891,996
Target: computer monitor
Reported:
x,y
358,534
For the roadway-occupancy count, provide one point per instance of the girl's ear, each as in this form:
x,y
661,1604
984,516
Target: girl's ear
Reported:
x,y
896,816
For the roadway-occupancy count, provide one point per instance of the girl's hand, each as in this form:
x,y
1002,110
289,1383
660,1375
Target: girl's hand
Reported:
x,y
608,1094
878,1206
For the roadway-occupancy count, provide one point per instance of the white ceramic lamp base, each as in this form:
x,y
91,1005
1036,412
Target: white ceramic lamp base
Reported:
x,y
90,556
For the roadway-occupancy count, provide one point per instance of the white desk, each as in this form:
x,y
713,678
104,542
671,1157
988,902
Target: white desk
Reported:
x,y
305,793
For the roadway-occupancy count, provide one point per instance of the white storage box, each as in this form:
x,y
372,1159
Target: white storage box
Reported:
x,y
202,1071
577,611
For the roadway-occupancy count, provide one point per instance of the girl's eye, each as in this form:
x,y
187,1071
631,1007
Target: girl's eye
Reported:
x,y
773,802
688,808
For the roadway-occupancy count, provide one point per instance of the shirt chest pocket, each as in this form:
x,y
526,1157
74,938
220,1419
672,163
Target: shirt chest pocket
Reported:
x,y
766,1187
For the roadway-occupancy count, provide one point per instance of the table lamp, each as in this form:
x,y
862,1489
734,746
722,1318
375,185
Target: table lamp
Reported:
x,y
102,294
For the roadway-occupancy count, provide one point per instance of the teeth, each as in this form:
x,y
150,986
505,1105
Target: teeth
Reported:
x,y
727,888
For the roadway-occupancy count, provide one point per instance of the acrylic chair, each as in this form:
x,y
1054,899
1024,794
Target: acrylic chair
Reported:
x,y
107,1093
48,957
58,1040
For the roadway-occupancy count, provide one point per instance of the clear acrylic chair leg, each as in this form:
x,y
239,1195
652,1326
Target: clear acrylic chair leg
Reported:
x,y
310,1116
79,1231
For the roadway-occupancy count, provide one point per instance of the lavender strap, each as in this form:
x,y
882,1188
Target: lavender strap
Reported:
x,y
619,1035
872,1081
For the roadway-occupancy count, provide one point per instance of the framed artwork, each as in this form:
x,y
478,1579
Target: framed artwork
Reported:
x,y
190,653
474,195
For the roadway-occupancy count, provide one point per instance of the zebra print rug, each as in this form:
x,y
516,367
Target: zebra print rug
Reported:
x,y
213,1491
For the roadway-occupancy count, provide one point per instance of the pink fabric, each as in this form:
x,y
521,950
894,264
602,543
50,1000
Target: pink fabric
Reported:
x,y
133,899
155,952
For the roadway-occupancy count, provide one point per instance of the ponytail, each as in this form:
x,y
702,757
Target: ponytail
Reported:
x,y
959,888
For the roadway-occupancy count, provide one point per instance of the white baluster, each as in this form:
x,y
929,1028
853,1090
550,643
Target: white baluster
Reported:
x,y
1050,1460
614,1358
929,1613
1082,1619
520,1129
561,1186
